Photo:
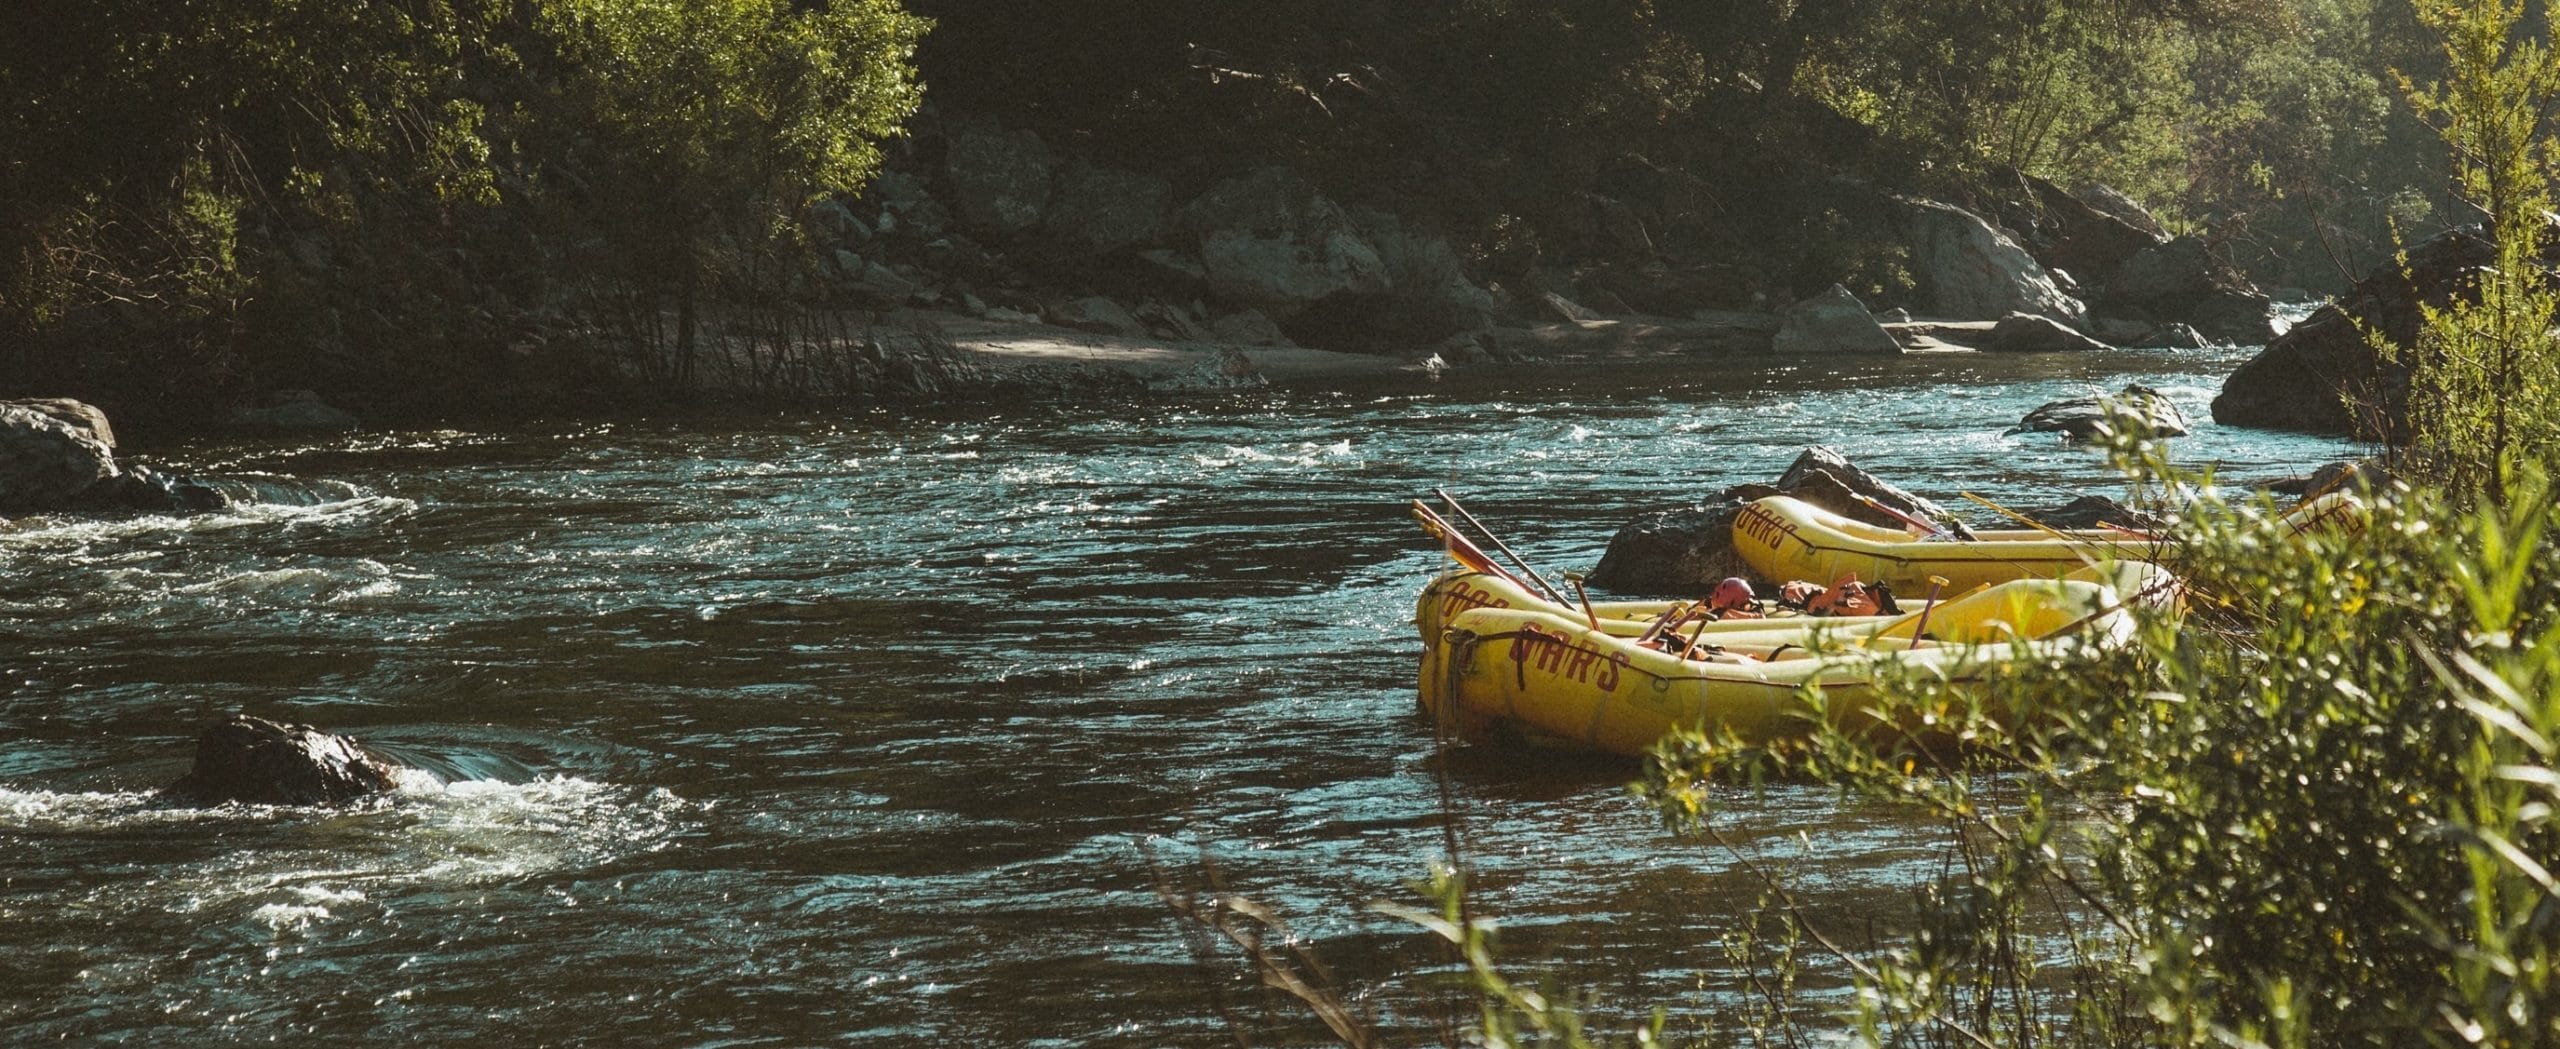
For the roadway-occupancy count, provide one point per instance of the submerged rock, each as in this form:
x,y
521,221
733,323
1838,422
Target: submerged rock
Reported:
x,y
2083,418
59,455
254,761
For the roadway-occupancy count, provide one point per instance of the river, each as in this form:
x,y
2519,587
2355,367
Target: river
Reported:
x,y
863,728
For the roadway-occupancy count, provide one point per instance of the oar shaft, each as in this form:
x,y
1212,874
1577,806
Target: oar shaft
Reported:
x,y
1460,548
1498,544
1936,584
1880,506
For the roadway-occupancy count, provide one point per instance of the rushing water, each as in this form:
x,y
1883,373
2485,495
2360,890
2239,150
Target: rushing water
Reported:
x,y
863,729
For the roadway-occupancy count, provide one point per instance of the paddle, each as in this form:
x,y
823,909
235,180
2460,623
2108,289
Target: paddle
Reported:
x,y
1498,544
1461,549
1936,583
1670,619
1878,505
1574,579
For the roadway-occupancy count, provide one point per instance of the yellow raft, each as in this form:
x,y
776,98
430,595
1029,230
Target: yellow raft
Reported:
x,y
1496,659
1463,590
1784,538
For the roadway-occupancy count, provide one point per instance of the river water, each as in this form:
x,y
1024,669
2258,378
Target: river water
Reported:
x,y
876,729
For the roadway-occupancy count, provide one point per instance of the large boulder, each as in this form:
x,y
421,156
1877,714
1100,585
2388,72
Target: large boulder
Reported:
x,y
1552,307
2114,204
2083,418
1429,295
1683,552
1268,239
2323,375
2183,281
1171,321
2345,475
1833,322
58,454
1099,210
81,415
2066,232
254,761
2026,333
47,463
1971,271
1000,180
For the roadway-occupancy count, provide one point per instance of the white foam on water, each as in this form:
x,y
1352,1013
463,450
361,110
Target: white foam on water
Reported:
x,y
314,866
1305,453
286,916
80,536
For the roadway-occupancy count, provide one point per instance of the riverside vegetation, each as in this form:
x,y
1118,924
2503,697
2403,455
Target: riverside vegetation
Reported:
x,y
2320,814
2321,811
507,207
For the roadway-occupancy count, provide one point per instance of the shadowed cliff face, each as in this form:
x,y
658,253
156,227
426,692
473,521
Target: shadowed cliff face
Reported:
x,y
256,761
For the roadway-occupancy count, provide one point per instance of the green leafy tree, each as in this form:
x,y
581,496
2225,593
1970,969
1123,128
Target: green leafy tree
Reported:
x,y
698,130
229,193
2485,388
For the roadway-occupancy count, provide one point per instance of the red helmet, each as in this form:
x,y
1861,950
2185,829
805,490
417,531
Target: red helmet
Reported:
x,y
1734,592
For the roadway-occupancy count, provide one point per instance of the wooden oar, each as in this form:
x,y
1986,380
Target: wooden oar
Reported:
x,y
1574,579
1670,619
1879,506
1460,548
1936,583
1498,544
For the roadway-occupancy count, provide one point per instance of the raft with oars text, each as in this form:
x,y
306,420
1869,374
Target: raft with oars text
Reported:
x,y
1784,538
1554,678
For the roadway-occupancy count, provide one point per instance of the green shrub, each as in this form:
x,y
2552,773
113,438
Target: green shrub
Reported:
x,y
2313,812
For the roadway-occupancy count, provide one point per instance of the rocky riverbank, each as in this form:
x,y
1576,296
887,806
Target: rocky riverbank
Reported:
x,y
1021,251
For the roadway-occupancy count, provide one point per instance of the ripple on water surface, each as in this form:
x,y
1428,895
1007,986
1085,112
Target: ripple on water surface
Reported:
x,y
879,730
